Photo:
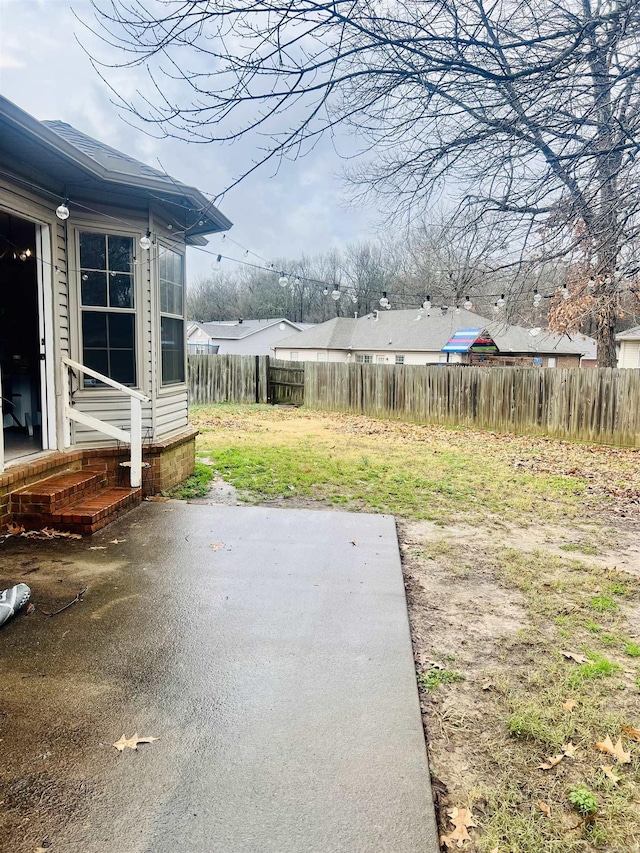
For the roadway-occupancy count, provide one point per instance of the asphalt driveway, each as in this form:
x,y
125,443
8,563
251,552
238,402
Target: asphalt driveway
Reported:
x,y
269,652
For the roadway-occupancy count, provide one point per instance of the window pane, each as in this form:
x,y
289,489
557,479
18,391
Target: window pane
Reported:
x,y
120,254
94,288
163,295
122,364
94,330
96,359
177,299
93,251
120,290
172,335
121,331
163,265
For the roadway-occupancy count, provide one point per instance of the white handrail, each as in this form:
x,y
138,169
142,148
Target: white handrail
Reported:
x,y
75,365
133,437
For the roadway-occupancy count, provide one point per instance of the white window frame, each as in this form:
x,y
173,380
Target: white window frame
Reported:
x,y
169,387
91,227
293,356
399,358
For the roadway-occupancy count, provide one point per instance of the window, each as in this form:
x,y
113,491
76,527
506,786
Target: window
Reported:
x,y
363,358
293,356
172,316
380,359
108,310
552,362
399,359
322,356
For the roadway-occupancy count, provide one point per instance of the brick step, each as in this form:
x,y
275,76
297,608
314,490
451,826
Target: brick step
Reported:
x,y
93,512
53,494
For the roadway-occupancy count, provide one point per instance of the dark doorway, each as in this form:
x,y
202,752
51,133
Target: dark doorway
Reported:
x,y
19,338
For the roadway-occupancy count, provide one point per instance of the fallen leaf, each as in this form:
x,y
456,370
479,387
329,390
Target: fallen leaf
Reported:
x,y
30,608
544,808
616,751
117,541
14,529
461,819
632,732
552,762
97,547
157,498
569,705
570,750
575,657
132,742
607,769
487,685
217,546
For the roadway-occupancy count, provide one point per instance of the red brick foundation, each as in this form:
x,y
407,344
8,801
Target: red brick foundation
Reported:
x,y
169,462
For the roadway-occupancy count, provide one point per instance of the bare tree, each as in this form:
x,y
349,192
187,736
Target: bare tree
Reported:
x,y
524,109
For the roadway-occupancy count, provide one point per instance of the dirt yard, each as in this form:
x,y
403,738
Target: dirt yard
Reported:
x,y
522,568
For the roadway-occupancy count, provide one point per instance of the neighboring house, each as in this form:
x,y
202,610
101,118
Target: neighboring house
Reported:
x,y
411,337
92,310
629,353
242,337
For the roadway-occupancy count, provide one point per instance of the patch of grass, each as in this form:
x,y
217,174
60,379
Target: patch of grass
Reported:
x,y
632,649
597,667
195,486
583,547
435,677
603,604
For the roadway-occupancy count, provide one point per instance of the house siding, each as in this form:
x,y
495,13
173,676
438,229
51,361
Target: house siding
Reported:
x,y
629,354
261,342
167,413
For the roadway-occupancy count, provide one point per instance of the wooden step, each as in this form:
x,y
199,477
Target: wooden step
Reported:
x,y
45,497
93,512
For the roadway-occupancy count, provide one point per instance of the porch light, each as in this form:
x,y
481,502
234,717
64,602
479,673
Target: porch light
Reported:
x,y
335,295
145,242
62,211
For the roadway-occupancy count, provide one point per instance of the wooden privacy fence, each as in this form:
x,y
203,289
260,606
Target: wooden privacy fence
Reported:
x,y
601,406
587,405
245,379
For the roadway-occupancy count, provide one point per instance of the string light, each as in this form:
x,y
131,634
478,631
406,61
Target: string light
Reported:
x,y
467,304
384,302
283,281
457,311
145,242
427,304
62,211
335,295
326,291
565,292
500,302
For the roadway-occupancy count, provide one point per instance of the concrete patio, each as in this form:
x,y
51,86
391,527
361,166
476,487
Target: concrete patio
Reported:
x,y
269,652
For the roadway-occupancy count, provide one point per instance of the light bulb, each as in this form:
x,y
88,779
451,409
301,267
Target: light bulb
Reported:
x,y
85,277
297,281
468,304
326,291
565,292
283,281
388,306
457,309
496,308
591,282
145,242
384,301
335,295
426,304
500,301
62,212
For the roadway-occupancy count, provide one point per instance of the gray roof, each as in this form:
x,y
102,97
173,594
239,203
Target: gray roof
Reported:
x,y
401,331
106,156
72,163
629,334
235,330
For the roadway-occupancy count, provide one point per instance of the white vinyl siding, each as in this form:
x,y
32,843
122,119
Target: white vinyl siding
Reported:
x,y
629,354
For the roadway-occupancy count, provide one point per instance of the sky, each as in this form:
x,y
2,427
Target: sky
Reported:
x,y
300,210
